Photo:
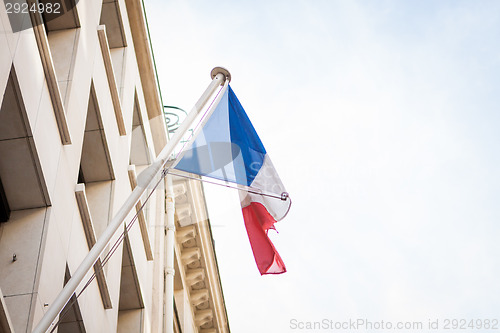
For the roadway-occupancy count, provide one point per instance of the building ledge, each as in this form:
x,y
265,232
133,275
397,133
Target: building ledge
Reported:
x,y
113,88
51,77
140,215
83,206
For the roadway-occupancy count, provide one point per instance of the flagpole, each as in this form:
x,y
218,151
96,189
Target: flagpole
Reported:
x,y
219,76
169,257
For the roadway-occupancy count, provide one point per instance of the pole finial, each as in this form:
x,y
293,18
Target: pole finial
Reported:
x,y
221,70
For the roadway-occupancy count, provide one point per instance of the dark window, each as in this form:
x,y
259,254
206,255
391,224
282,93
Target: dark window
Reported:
x,y
4,205
81,180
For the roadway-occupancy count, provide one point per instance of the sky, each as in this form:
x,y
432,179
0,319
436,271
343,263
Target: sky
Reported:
x,y
382,120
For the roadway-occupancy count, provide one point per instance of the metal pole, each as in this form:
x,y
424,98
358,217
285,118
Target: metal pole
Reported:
x,y
145,179
169,258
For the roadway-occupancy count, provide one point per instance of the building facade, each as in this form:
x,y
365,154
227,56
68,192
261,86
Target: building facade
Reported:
x,y
80,117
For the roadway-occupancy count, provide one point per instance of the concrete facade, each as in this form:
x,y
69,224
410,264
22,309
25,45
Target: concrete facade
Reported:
x,y
80,118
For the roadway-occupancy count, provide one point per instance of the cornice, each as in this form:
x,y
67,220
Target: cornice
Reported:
x,y
197,255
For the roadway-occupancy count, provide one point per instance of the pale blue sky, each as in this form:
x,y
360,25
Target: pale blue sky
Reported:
x,y
382,118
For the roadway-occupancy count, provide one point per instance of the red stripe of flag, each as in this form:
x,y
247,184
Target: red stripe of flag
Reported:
x,y
258,221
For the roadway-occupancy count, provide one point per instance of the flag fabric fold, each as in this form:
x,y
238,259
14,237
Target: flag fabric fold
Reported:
x,y
228,148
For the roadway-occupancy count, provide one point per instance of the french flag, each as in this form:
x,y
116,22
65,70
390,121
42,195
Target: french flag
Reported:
x,y
228,148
